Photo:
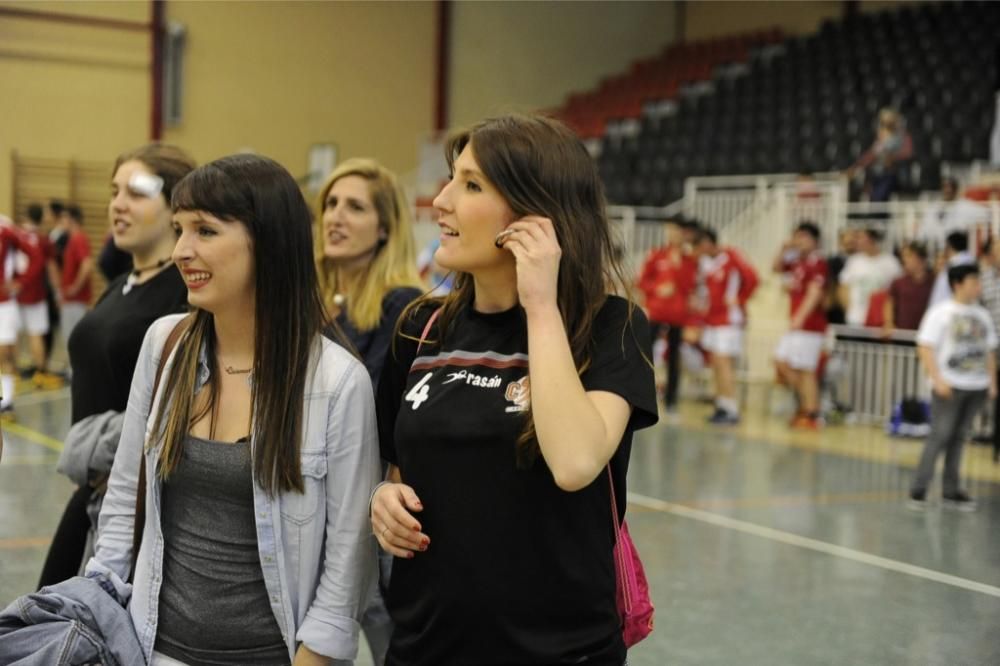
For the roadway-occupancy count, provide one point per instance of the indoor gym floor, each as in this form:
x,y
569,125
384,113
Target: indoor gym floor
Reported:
x,y
762,546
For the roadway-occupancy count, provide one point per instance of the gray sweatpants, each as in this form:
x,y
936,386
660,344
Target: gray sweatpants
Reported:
x,y
950,421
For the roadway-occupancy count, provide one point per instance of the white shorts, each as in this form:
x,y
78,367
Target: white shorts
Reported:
x,y
800,349
10,322
35,318
723,340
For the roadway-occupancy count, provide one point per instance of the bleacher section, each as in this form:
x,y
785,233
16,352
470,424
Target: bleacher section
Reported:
x,y
659,78
805,104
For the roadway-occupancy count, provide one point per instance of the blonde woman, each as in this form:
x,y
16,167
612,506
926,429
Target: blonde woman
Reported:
x,y
365,255
368,275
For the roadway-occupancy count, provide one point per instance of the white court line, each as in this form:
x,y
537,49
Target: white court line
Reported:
x,y
811,544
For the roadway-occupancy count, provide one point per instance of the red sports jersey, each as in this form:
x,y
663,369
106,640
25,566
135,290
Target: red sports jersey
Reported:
x,y
667,280
801,273
12,240
730,280
33,280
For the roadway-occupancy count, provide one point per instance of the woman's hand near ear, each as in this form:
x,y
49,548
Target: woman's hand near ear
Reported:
x,y
532,241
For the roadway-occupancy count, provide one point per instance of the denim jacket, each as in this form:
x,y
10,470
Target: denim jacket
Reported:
x,y
316,548
72,622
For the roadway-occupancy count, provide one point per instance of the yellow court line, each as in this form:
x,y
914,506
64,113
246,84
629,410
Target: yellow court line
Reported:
x,y
33,436
24,542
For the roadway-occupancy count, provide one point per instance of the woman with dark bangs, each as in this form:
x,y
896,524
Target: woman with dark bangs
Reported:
x,y
501,409
260,456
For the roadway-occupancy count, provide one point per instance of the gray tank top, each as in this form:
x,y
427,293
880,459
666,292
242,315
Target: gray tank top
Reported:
x,y
214,607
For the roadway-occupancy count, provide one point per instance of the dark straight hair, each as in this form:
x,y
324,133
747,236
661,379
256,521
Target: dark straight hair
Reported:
x,y
541,168
260,194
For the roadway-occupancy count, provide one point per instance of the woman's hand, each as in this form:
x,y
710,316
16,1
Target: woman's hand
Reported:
x,y
397,531
306,657
532,241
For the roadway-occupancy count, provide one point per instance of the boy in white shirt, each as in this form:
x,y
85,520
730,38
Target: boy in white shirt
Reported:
x,y
867,271
956,344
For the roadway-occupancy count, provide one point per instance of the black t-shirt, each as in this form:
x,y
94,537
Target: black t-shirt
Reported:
x,y
372,345
104,346
518,571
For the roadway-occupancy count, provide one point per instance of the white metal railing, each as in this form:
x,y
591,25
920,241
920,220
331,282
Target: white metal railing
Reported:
x,y
900,221
638,230
872,372
754,213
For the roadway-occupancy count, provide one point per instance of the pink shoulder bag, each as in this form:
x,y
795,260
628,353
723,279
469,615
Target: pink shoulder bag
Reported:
x,y
631,588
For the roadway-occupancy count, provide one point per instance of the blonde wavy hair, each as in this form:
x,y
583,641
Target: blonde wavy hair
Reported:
x,y
394,264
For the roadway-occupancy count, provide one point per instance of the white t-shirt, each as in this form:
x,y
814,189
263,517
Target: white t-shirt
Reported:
x,y
864,275
962,337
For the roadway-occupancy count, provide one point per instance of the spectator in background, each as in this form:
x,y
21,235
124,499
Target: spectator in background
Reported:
x,y
113,261
11,241
951,214
989,277
32,305
107,341
868,271
847,245
667,281
799,350
956,344
892,146
956,253
910,293
77,269
729,280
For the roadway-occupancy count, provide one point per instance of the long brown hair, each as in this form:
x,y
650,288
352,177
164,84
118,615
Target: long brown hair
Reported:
x,y
261,195
541,168
394,264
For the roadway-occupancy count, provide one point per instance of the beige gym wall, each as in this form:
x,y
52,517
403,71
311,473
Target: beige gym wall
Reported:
x,y
508,56
70,91
278,77
274,77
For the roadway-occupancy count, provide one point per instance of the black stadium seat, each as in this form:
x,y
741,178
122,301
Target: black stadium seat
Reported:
x,y
812,106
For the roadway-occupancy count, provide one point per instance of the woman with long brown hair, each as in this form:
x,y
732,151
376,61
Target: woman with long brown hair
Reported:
x,y
104,346
503,406
256,443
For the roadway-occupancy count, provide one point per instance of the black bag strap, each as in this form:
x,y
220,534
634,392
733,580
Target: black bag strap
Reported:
x,y
140,489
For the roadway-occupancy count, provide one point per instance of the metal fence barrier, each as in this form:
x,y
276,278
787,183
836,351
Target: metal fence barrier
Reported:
x,y
872,373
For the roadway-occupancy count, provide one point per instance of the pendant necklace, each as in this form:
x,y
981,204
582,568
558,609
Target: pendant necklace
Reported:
x,y
133,277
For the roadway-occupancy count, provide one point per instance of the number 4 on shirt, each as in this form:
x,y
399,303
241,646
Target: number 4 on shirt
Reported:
x,y
420,391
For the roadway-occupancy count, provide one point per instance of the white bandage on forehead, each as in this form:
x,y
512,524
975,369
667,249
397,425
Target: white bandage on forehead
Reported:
x,y
145,184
